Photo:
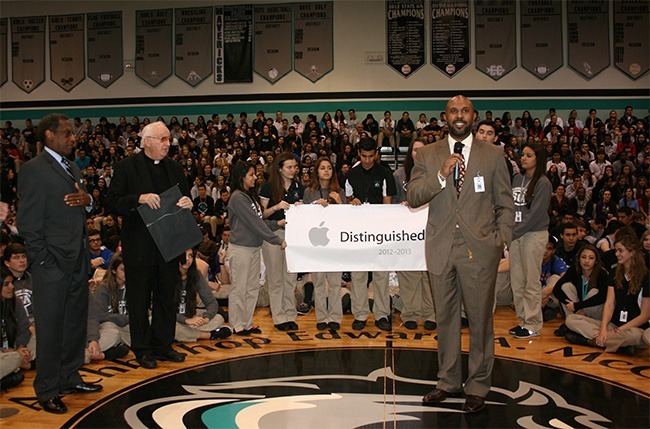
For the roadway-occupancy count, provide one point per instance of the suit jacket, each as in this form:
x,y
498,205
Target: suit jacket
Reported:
x,y
485,218
130,180
54,233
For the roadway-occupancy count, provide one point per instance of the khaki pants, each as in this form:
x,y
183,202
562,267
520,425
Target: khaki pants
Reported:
x,y
589,328
9,362
327,297
359,295
526,254
282,283
595,312
415,290
244,286
186,333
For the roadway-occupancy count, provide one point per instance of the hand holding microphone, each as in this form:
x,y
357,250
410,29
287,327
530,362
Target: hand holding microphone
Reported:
x,y
458,149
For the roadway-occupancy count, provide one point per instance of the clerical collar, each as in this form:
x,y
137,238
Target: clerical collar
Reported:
x,y
153,161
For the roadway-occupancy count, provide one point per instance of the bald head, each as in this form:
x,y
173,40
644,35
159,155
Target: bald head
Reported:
x,y
460,116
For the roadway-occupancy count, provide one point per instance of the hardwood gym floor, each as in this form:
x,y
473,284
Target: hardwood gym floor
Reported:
x,y
543,381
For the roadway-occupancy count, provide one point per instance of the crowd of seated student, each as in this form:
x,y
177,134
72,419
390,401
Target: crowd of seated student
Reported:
x,y
599,169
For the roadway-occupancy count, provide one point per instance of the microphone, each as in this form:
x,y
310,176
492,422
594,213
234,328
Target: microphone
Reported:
x,y
458,148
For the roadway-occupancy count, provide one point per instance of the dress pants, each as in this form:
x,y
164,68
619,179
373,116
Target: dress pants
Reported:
x,y
526,255
61,304
466,280
327,297
282,283
152,286
244,285
415,290
359,295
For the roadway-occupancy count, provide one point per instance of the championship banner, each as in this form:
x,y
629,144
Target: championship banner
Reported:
x,y
67,54
541,37
193,44
28,52
355,238
313,41
105,55
450,35
631,37
405,35
154,45
3,51
234,35
588,34
273,41
496,40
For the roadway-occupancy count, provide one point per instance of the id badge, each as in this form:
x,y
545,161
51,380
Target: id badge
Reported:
x,y
517,216
479,184
623,317
181,308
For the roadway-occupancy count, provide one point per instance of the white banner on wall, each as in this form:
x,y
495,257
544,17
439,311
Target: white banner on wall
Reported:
x,y
355,238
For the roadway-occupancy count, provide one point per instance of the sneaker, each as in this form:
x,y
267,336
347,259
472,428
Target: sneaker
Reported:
x,y
561,331
303,308
11,380
321,326
334,326
430,325
220,333
524,333
384,324
514,329
575,338
411,325
358,325
116,352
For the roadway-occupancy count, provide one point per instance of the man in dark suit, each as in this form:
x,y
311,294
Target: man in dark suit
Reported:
x,y
471,216
140,179
52,220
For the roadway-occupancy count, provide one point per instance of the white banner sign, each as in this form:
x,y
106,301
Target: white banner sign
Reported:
x,y
355,238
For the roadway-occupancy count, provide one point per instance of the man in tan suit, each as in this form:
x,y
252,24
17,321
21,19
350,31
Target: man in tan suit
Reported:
x,y
471,216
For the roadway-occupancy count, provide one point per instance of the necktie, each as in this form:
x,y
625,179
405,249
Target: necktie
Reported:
x,y
461,176
68,169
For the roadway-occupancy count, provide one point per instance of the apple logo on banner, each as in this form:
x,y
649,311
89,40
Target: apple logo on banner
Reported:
x,y
318,235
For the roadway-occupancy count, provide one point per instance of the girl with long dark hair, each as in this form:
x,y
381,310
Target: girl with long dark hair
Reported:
x,y
192,325
325,190
278,195
247,233
531,191
627,306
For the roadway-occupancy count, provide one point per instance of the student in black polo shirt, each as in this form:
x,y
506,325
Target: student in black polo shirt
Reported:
x,y
370,183
277,195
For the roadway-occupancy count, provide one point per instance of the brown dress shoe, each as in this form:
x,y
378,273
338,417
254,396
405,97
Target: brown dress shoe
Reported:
x,y
436,396
473,403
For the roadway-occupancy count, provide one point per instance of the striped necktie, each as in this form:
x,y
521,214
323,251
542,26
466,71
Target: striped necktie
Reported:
x,y
68,168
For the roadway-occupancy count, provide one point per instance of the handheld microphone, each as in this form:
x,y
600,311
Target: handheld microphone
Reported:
x,y
458,148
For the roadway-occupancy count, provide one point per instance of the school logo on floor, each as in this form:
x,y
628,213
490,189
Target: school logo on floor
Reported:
x,y
360,388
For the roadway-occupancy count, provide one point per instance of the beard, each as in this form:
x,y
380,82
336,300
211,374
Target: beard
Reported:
x,y
459,134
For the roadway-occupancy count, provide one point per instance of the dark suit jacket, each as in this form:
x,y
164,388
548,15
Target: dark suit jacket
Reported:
x,y
54,233
485,219
130,180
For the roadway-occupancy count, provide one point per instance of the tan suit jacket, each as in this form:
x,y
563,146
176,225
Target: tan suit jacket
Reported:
x,y
485,218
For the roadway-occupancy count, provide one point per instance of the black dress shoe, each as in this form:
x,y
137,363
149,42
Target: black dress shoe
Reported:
x,y
473,403
147,361
83,387
293,326
171,356
334,326
11,380
436,396
321,326
411,324
54,405
430,325
383,324
221,333
358,325
283,326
